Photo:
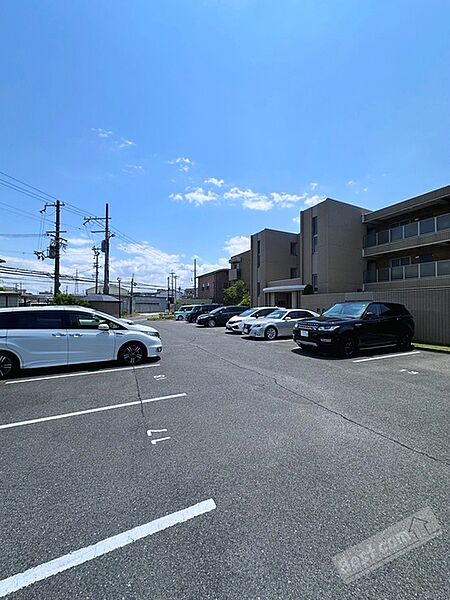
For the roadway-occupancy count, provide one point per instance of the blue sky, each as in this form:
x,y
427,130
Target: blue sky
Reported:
x,y
203,121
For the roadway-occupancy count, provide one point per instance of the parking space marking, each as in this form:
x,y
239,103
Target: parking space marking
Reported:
x,y
159,440
78,557
159,377
80,374
88,411
280,341
387,356
150,431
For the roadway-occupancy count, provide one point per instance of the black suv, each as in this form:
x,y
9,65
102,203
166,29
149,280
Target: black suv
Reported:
x,y
199,309
348,326
220,316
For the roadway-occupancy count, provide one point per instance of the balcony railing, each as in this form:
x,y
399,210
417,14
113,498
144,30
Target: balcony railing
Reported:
x,y
438,268
403,232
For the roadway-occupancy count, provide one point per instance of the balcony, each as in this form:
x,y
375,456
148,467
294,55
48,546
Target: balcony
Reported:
x,y
234,274
435,269
426,231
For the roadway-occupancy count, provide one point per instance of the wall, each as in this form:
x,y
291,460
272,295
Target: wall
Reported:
x,y
9,300
430,308
338,261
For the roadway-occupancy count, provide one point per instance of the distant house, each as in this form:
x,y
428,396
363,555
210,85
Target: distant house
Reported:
x,y
212,285
9,298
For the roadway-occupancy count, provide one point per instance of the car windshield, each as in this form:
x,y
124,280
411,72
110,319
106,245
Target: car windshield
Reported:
x,y
346,310
215,310
276,314
247,313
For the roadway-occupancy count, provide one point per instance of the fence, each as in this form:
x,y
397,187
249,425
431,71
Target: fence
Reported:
x,y
430,308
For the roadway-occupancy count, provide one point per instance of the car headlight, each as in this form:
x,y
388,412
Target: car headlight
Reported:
x,y
328,327
153,334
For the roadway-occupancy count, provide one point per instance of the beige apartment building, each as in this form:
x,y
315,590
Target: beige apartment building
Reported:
x,y
331,247
240,268
407,245
275,268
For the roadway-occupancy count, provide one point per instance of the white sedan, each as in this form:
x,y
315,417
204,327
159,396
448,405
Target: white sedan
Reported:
x,y
236,324
279,323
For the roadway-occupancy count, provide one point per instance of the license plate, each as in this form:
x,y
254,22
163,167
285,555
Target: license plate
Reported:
x,y
303,333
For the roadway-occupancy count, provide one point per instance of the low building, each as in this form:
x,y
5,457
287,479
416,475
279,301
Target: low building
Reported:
x,y
9,298
211,285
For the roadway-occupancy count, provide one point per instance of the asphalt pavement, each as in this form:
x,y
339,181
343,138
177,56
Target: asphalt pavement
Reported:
x,y
231,469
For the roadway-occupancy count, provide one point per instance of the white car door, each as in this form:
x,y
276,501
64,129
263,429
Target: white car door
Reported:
x,y
39,337
87,343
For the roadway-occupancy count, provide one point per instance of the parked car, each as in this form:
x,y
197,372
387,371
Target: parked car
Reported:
x,y
279,323
180,314
63,335
199,309
348,326
236,323
219,316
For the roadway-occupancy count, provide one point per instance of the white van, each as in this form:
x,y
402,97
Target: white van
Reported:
x,y
50,336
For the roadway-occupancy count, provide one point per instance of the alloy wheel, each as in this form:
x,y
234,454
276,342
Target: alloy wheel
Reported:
x,y
133,354
6,366
271,333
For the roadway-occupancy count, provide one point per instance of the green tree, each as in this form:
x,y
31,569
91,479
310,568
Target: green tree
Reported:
x,y
246,300
235,294
61,298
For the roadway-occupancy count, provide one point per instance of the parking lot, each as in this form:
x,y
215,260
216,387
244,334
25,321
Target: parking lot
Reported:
x,y
266,463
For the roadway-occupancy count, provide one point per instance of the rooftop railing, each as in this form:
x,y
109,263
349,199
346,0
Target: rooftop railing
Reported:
x,y
437,268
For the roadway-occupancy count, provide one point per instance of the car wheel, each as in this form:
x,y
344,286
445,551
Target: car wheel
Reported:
x,y
8,365
132,353
348,347
404,341
271,333
180,318
211,323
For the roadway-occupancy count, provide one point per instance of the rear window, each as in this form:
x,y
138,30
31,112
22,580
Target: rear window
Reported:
x,y
39,319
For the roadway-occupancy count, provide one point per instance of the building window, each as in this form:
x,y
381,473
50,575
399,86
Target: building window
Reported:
x,y
293,272
207,286
315,235
258,289
315,282
258,252
401,262
293,248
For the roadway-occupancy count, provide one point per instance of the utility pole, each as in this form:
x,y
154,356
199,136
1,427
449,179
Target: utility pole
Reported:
x,y
76,283
131,294
175,291
105,244
168,294
195,278
57,242
171,281
96,257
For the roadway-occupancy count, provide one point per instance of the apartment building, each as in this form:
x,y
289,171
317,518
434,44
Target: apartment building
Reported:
x,y
212,285
275,268
331,247
407,245
240,268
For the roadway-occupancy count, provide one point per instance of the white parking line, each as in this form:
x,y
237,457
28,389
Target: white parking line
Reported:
x,y
78,557
87,412
79,374
159,440
280,341
387,356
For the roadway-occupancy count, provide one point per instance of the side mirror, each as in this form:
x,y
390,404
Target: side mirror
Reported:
x,y
103,327
288,318
369,315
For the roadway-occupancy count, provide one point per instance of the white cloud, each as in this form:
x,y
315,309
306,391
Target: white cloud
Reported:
x,y
366,189
182,163
250,199
351,183
296,220
258,204
103,133
123,143
237,244
197,196
286,200
214,181
313,185
312,200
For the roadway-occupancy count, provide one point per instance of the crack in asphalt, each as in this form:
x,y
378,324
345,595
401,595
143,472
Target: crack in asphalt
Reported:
x,y
320,405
